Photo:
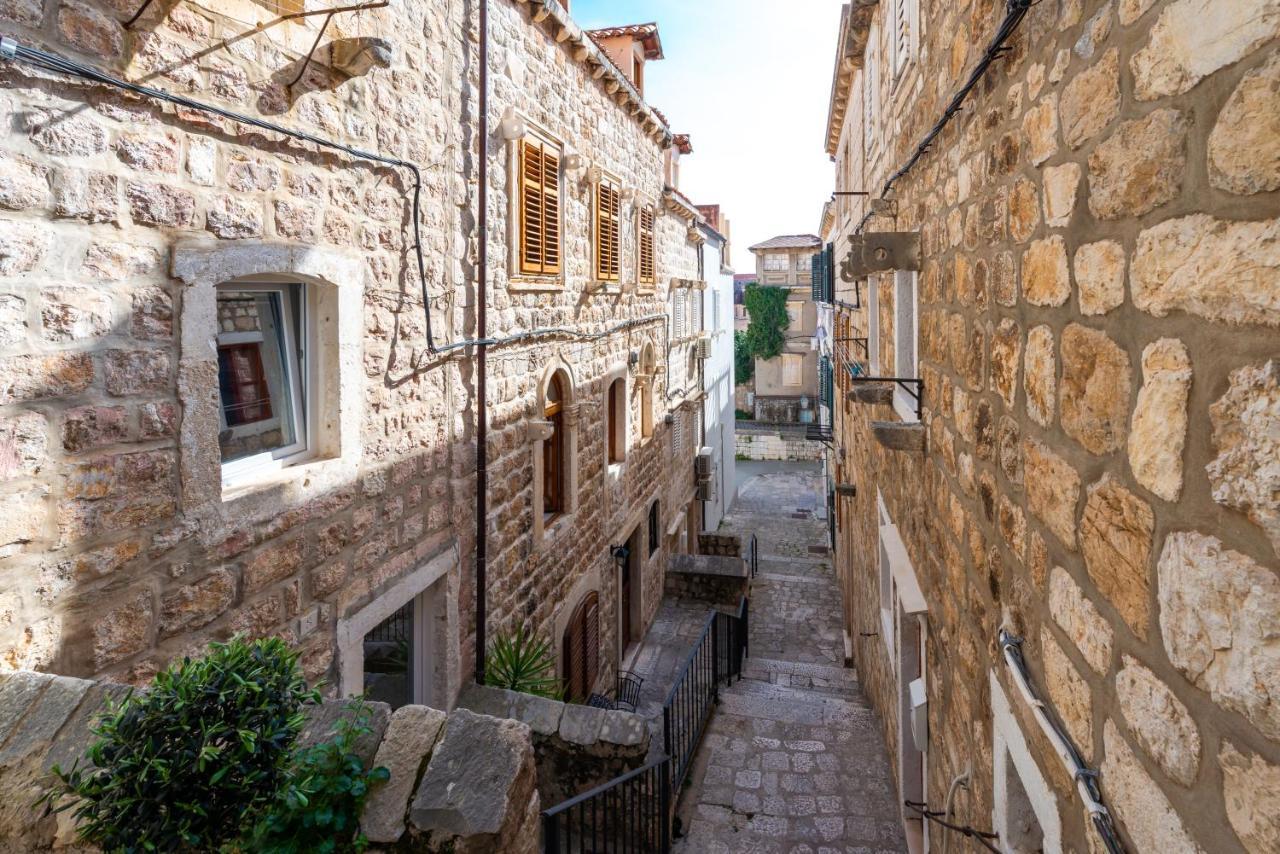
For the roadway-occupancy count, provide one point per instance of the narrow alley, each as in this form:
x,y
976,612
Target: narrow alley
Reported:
x,y
793,759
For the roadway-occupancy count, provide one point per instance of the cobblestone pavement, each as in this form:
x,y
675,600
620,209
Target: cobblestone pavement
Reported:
x,y
793,760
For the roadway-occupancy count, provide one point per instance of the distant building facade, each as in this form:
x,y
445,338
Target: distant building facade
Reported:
x,y
785,387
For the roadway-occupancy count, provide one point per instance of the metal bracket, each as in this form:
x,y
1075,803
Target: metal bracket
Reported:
x,y
879,251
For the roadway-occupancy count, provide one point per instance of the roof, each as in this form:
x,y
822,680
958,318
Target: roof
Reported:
x,y
789,241
851,42
646,34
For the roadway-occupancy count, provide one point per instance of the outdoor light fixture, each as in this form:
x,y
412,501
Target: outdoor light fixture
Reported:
x,y
627,194
620,555
511,126
593,175
572,162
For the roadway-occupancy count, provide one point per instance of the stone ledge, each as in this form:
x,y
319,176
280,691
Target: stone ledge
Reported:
x,y
871,394
897,436
714,579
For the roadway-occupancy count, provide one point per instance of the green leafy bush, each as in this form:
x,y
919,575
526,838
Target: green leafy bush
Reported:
x,y
767,307
744,364
181,766
521,662
319,808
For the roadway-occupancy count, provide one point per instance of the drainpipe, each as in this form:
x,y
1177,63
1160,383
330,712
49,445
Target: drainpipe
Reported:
x,y
482,333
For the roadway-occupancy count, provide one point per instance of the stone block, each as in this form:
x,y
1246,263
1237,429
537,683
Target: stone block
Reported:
x,y
1024,213
1219,616
1079,619
1046,279
160,205
90,31
85,195
195,605
61,696
1006,359
1159,430
273,563
1116,538
1040,124
322,720
542,714
1091,100
1099,269
581,725
113,261
1053,490
123,631
897,436
22,246
149,151
1040,375
1069,693
75,314
24,184
136,371
1094,394
1215,269
1245,474
1139,805
624,729
19,691
88,427
1186,45
1060,186
1158,721
410,737
233,219
1244,147
1251,789
479,791
24,445
876,394
25,12
13,320
38,377
1140,166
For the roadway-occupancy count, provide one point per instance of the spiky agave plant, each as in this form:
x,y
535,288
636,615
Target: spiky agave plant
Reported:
x,y
518,661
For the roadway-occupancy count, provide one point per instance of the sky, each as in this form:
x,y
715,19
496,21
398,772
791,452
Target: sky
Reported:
x,y
749,81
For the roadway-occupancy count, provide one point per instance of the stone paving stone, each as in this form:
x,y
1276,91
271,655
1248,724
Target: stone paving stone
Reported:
x,y
792,760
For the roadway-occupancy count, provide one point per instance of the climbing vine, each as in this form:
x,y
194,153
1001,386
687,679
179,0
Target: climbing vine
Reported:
x,y
767,307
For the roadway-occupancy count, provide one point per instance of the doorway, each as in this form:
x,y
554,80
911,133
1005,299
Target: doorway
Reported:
x,y
629,612
400,654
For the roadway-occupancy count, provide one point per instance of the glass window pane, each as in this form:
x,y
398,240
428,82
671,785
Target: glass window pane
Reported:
x,y
257,368
388,659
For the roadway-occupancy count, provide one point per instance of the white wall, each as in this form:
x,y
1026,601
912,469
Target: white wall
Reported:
x,y
718,380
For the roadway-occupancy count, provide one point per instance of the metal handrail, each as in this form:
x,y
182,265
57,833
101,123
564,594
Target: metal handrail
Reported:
x,y
631,812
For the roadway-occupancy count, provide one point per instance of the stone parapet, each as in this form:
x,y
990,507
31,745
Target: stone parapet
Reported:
x,y
713,579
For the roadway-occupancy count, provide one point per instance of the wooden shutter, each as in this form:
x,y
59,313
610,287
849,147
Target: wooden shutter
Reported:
x,y
646,246
607,206
539,208
581,649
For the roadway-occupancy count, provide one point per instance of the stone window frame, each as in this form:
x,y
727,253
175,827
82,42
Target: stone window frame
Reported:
x,y
622,406
539,431
1028,788
906,339
516,280
441,571
646,379
336,279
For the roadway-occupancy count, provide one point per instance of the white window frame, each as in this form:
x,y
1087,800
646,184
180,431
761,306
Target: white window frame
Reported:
x,y
301,380
905,45
772,261
1010,751
906,339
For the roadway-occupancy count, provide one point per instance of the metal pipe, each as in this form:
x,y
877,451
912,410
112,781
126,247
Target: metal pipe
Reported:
x,y
482,350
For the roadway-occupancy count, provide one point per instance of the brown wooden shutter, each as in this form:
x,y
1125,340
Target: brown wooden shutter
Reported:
x,y
608,204
581,649
573,657
531,207
591,620
551,211
646,245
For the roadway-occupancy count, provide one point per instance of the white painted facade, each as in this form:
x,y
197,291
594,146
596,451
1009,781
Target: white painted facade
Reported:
x,y
717,377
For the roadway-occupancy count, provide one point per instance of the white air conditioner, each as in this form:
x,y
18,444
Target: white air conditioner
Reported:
x,y
705,491
704,463
704,348
919,715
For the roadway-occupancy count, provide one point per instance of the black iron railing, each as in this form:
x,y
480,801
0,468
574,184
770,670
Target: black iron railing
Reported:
x,y
753,555
715,658
631,813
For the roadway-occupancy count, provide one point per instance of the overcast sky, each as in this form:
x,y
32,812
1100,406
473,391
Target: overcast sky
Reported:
x,y
749,81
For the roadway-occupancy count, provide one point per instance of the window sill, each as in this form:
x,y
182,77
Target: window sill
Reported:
x,y
533,284
555,528
273,481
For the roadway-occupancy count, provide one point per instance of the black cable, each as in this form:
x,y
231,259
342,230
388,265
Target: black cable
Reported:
x,y
1015,11
978,836
11,50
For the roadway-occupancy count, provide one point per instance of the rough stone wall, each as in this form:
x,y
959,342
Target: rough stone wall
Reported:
x,y
1097,327
776,446
120,550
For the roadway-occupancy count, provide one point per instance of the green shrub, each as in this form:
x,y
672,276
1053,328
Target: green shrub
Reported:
x,y
190,763
744,363
520,662
765,336
319,809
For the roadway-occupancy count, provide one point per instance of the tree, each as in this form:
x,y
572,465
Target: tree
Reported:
x,y
744,364
767,307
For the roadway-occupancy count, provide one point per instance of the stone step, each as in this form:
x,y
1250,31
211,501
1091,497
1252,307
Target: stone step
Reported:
x,y
797,696
799,668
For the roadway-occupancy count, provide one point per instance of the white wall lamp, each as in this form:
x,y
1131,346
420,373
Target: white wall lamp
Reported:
x,y
511,126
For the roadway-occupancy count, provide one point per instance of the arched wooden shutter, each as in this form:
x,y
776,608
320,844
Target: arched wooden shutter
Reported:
x,y
581,649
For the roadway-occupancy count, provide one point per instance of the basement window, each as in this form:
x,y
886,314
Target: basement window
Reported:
x,y
262,377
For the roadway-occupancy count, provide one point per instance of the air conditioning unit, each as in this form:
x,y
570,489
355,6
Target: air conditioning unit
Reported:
x,y
705,491
704,348
704,463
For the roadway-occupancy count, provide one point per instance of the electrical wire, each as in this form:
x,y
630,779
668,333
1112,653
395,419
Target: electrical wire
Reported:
x,y
1015,11
978,836
14,52
1086,779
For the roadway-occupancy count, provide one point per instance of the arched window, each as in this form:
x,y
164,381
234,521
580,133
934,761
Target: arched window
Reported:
x,y
616,420
581,649
553,449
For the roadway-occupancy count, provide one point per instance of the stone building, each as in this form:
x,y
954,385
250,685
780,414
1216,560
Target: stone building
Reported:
x,y
224,404
786,387
1088,459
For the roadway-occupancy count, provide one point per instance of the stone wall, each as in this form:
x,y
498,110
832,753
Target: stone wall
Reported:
x,y
459,781
118,216
788,445
717,580
1097,327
